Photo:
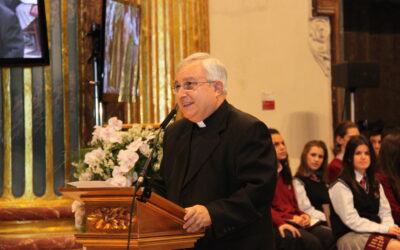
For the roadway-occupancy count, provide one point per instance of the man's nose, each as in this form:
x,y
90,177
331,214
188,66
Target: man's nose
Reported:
x,y
181,92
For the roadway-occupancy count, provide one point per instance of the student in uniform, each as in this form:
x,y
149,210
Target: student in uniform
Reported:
x,y
293,227
360,208
310,181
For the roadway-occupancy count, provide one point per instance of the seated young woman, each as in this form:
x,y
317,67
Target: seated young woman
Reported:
x,y
389,175
292,226
310,181
360,208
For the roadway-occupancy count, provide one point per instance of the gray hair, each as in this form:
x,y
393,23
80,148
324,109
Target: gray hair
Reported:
x,y
216,71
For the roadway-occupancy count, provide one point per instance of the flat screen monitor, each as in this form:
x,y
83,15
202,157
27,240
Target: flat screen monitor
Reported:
x,y
121,27
23,33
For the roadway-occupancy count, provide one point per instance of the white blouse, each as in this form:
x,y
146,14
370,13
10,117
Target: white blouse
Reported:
x,y
303,201
342,202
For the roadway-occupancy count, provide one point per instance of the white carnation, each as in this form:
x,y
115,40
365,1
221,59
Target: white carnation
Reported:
x,y
127,159
96,133
117,171
114,123
135,145
120,181
94,157
87,176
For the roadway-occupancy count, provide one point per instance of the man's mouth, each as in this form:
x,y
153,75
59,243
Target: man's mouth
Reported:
x,y
187,104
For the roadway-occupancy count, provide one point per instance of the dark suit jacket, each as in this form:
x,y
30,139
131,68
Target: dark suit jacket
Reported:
x,y
233,175
11,4
11,38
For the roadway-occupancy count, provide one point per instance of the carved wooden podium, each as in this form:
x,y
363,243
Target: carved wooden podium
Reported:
x,y
156,224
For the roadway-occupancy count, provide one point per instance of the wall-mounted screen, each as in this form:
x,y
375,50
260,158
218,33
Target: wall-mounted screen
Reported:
x,y
23,33
121,50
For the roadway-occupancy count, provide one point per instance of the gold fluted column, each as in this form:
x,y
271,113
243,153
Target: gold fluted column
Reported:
x,y
7,182
28,194
30,77
66,85
49,117
170,31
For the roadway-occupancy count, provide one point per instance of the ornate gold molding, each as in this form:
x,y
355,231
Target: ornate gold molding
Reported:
x,y
9,229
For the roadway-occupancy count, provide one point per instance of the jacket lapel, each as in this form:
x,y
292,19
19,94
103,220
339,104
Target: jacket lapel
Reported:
x,y
181,158
207,145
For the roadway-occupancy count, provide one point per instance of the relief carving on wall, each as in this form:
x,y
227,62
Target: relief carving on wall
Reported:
x,y
319,42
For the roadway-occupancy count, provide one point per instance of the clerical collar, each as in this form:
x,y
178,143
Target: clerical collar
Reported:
x,y
214,117
201,124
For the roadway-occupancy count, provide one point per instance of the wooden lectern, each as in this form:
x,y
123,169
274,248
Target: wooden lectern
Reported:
x,y
156,224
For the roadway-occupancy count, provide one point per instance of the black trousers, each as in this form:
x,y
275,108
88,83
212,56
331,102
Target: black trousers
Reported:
x,y
316,238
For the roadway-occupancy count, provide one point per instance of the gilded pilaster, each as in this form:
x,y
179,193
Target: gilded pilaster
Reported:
x,y
28,194
7,191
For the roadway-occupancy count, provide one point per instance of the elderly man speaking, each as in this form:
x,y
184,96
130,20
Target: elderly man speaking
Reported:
x,y
219,162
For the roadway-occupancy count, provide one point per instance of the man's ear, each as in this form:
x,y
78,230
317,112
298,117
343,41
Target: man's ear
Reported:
x,y
219,87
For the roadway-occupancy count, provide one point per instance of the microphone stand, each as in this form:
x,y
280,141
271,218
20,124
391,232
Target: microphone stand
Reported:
x,y
95,60
144,180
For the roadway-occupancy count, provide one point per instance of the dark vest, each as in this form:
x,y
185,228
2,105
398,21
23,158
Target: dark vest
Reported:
x,y
367,206
317,192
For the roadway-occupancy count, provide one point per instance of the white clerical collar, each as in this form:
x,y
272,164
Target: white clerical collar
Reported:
x,y
201,124
359,176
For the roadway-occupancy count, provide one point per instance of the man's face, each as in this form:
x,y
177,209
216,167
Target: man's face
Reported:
x,y
197,104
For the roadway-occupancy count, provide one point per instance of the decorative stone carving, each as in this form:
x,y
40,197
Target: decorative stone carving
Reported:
x,y
319,41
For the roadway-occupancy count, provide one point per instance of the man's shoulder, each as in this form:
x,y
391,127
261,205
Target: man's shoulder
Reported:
x,y
240,117
178,124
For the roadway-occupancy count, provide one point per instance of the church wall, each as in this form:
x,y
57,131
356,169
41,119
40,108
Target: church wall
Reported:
x,y
266,47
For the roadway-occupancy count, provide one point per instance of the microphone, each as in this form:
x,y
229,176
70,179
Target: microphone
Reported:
x,y
143,173
169,117
142,176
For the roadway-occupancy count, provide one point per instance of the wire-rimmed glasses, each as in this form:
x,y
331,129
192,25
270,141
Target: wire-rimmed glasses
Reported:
x,y
188,85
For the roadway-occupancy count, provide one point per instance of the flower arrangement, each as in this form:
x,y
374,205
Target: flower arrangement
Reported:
x,y
117,156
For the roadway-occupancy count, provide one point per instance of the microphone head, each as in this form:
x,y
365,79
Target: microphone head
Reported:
x,y
169,117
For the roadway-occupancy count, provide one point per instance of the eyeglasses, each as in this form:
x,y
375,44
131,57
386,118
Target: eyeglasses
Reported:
x,y
188,86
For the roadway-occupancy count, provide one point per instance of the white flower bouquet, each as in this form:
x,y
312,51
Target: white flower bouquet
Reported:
x,y
117,156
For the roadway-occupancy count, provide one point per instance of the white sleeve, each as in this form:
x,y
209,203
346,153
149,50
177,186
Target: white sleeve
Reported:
x,y
342,202
385,212
303,201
